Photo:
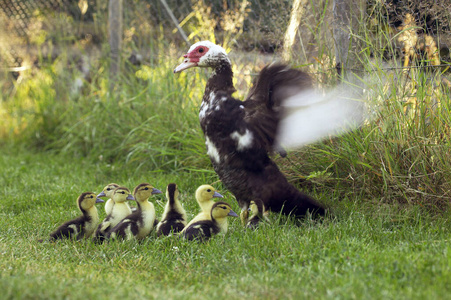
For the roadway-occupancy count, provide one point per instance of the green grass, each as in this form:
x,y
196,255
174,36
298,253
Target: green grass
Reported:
x,y
387,184
361,252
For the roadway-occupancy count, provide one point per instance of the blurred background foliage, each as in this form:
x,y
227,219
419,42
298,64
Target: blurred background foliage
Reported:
x,y
55,96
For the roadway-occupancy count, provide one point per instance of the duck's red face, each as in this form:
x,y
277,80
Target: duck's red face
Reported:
x,y
192,58
202,54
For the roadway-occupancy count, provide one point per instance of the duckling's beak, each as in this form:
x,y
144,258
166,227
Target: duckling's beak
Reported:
x,y
99,200
232,213
130,197
217,195
156,191
102,194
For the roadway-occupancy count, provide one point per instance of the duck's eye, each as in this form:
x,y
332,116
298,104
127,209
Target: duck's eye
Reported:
x,y
146,188
201,50
123,193
209,190
92,196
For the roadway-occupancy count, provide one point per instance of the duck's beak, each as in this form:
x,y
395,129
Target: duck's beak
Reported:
x,y
102,194
130,197
186,64
217,195
156,191
99,200
232,213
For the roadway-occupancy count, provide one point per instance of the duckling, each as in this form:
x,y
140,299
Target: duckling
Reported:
x,y
108,192
206,228
119,211
259,213
139,224
84,225
204,196
174,215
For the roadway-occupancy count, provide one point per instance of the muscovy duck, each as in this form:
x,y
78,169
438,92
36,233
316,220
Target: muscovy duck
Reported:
x,y
281,109
216,223
83,226
174,215
138,224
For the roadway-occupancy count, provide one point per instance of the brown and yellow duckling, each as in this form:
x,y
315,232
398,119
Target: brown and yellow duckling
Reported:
x,y
258,213
204,197
139,224
83,226
119,211
174,215
108,192
207,227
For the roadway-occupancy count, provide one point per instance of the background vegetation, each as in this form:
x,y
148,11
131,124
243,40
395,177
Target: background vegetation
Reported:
x,y
64,131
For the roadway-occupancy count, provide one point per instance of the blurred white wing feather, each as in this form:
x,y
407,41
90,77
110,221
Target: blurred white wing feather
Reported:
x,y
311,116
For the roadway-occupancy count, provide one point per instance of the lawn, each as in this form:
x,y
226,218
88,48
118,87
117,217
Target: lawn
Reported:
x,y
361,251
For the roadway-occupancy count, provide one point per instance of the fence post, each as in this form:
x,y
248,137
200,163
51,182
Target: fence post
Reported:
x,y
115,39
348,17
296,15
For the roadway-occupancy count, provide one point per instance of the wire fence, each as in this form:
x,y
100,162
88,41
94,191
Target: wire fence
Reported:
x,y
396,28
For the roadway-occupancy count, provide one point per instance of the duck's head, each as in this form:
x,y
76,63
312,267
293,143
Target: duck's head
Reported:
x,y
203,54
143,191
172,192
108,190
87,200
206,192
122,194
222,210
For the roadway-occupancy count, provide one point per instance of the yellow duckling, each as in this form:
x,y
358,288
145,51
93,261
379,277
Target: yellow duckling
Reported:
x,y
108,192
84,225
204,196
206,228
139,224
258,213
174,215
119,211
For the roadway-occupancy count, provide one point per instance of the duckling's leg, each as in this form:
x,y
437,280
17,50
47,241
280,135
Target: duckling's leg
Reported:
x,y
266,216
244,215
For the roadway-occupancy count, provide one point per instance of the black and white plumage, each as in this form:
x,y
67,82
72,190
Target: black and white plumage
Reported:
x,y
83,226
174,216
241,135
138,224
204,229
119,211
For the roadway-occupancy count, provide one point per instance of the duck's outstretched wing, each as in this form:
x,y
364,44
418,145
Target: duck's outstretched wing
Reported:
x,y
311,116
283,109
263,105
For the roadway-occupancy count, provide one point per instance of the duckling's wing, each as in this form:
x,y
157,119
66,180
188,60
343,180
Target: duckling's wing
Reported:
x,y
202,230
170,225
70,229
104,226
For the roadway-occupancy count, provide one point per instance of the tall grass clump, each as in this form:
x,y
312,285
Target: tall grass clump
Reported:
x,y
400,154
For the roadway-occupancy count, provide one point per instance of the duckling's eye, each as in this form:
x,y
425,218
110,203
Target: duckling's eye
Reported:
x,y
123,193
146,188
223,207
92,196
209,190
108,189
